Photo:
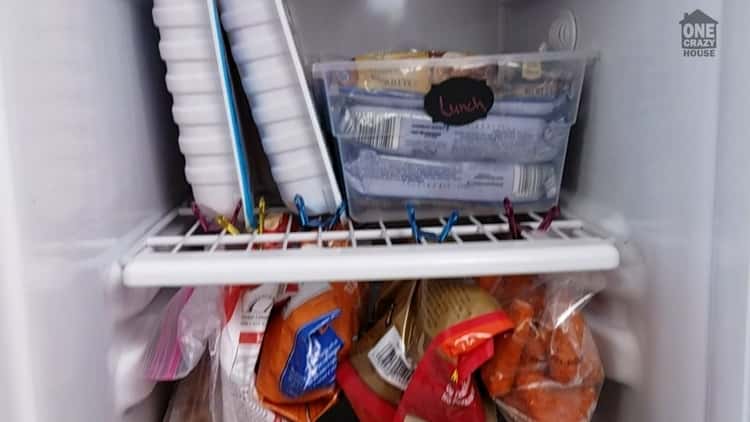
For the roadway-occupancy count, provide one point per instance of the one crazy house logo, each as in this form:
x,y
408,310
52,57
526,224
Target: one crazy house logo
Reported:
x,y
699,34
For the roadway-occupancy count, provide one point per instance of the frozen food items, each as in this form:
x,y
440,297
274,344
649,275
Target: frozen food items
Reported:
x,y
415,79
247,311
412,133
302,347
451,131
411,314
548,369
443,388
370,176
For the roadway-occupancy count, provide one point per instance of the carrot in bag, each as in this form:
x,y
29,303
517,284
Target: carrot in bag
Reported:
x,y
499,372
565,349
560,374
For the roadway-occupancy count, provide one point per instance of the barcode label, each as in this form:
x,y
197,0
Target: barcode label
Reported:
x,y
389,361
529,182
377,130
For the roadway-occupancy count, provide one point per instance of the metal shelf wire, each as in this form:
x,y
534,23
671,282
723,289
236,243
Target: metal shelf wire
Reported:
x,y
178,254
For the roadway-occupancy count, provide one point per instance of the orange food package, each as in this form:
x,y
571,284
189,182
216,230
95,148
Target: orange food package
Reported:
x,y
559,374
304,342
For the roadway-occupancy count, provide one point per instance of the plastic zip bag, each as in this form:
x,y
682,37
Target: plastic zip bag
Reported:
x,y
190,319
190,402
548,369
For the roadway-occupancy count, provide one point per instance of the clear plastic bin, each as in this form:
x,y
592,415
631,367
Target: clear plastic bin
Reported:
x,y
452,133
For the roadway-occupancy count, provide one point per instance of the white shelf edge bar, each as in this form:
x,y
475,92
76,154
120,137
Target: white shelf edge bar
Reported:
x,y
190,259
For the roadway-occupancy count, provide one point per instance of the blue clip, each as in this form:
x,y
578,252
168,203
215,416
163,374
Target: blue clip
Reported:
x,y
418,233
325,224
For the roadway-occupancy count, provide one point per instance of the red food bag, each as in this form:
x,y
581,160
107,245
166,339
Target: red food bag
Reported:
x,y
442,388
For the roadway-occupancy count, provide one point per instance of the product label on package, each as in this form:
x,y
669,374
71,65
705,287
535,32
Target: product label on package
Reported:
x,y
516,139
389,360
313,361
380,175
249,309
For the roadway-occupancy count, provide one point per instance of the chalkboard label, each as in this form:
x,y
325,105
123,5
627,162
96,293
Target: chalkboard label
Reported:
x,y
459,101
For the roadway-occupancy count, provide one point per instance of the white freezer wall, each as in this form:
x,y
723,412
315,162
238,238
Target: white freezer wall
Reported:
x,y
88,160
659,157
341,29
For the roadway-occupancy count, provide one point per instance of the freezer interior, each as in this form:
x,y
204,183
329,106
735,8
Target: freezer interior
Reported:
x,y
89,162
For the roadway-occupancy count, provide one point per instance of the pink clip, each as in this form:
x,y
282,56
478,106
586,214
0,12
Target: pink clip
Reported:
x,y
546,223
515,229
201,219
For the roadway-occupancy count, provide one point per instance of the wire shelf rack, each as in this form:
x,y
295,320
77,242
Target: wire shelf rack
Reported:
x,y
177,253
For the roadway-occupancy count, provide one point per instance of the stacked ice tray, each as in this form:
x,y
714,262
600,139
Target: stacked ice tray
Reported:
x,y
277,94
394,152
194,81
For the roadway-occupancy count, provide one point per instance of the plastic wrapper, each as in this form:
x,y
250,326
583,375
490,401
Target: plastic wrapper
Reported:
x,y
411,314
192,317
412,132
191,399
305,339
416,78
548,369
246,313
443,388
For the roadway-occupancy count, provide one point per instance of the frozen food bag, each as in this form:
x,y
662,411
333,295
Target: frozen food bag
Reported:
x,y
411,313
406,100
303,344
247,311
378,360
413,133
548,368
379,175
417,78
191,318
443,388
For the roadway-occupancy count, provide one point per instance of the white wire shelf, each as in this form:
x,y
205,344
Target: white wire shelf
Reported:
x,y
177,254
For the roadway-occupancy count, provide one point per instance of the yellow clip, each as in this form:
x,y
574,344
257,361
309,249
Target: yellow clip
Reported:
x,y
227,225
454,376
261,214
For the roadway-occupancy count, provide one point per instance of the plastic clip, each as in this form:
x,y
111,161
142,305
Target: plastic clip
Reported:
x,y
201,219
419,234
227,225
261,214
515,228
311,223
546,223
